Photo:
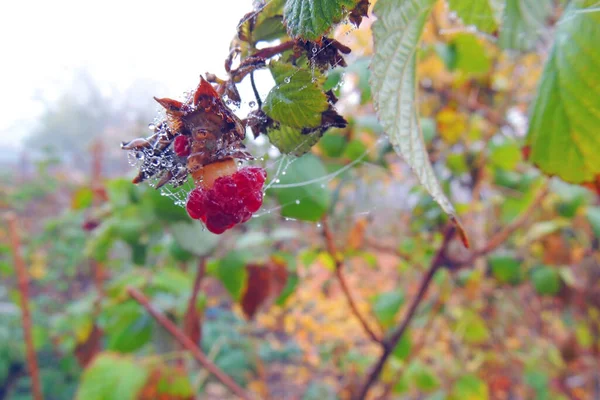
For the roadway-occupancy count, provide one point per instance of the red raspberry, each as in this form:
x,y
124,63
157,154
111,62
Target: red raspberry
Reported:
x,y
181,146
230,201
253,201
195,205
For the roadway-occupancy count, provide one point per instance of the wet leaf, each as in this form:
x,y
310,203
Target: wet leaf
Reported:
x,y
566,113
311,19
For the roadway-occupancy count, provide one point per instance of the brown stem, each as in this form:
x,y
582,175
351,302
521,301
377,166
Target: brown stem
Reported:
x,y
271,51
23,283
187,343
192,325
332,250
390,343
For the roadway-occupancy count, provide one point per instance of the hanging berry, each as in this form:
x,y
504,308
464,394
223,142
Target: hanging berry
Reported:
x,y
202,138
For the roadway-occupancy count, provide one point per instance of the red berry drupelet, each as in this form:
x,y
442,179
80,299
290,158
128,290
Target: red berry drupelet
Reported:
x,y
231,200
181,146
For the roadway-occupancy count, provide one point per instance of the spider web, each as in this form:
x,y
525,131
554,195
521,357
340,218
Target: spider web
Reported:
x,y
271,159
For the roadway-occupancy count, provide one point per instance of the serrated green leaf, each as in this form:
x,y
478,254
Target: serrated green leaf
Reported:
x,y
483,14
291,140
307,202
393,82
112,377
563,131
523,22
295,100
311,19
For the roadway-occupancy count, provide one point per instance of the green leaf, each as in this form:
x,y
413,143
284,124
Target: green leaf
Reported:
x,y
111,377
393,81
193,237
523,22
333,144
422,376
593,216
402,349
506,269
128,328
484,14
472,328
307,202
297,99
386,306
231,271
563,131
546,280
470,387
291,140
470,55
505,155
311,19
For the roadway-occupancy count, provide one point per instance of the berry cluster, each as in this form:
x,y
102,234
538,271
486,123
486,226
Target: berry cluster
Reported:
x,y
230,201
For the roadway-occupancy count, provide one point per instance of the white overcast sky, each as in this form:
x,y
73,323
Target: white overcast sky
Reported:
x,y
43,43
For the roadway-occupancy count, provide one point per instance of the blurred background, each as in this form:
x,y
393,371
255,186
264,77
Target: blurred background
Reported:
x,y
518,318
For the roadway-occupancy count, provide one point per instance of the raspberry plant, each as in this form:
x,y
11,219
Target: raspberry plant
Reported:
x,y
447,83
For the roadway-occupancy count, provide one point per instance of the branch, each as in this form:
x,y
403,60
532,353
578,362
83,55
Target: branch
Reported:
x,y
269,52
390,344
187,343
500,237
23,283
332,250
192,326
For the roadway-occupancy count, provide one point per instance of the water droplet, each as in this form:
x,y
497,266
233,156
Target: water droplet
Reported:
x,y
322,186
283,173
252,104
240,163
297,201
277,181
287,79
314,50
318,225
139,155
151,127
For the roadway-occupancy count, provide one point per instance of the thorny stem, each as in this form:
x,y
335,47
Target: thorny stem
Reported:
x,y
269,52
339,265
390,343
187,343
23,283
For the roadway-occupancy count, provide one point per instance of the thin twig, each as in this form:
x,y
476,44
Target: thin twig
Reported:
x,y
271,51
390,344
23,283
187,343
255,90
495,241
331,248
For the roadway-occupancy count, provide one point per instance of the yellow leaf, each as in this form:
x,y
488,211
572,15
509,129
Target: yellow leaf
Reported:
x,y
451,124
